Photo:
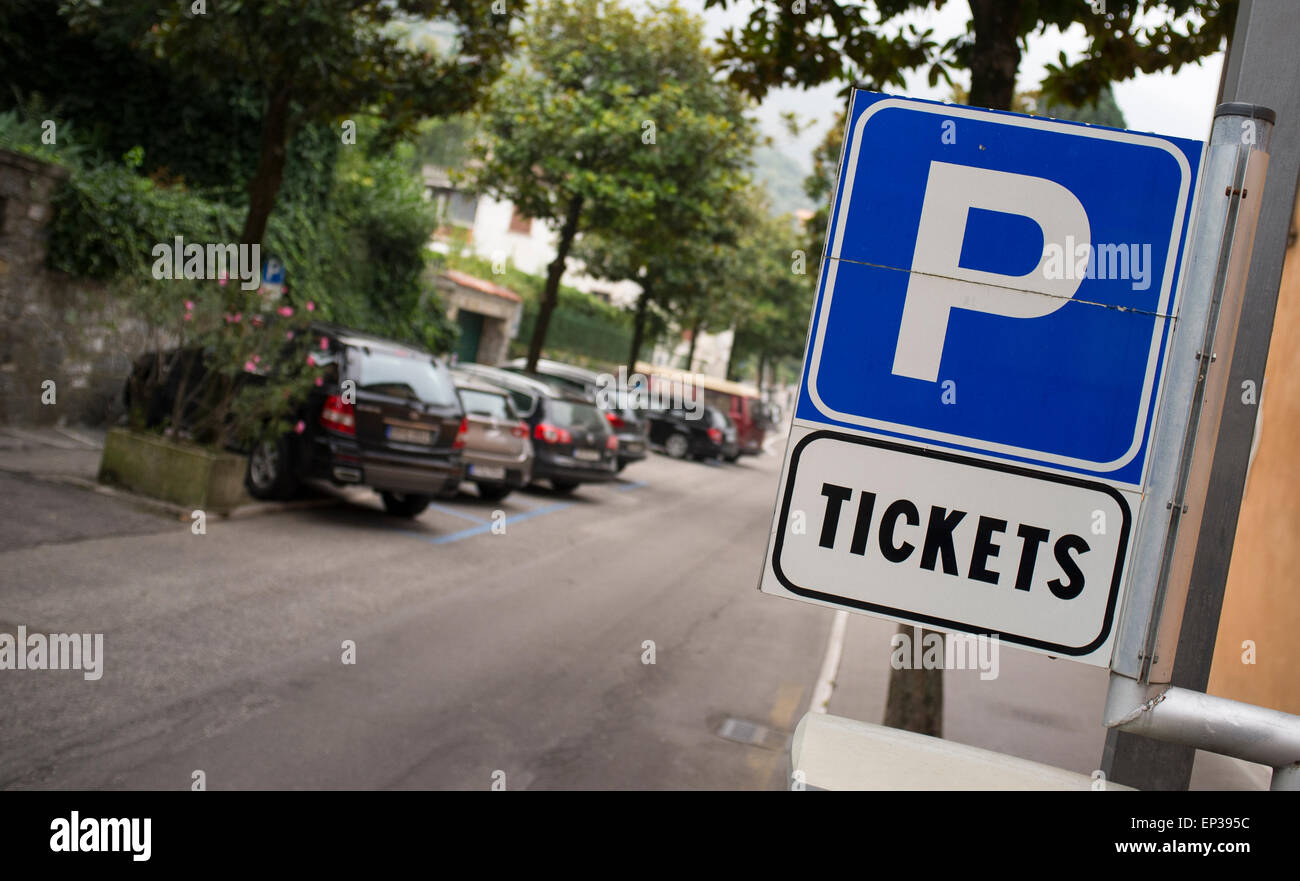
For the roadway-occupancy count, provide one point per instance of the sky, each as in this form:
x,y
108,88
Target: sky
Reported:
x,y
1180,104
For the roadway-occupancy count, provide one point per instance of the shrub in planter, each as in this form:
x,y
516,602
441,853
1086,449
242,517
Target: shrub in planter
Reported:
x,y
228,369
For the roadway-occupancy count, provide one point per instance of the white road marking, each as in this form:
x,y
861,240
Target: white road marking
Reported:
x,y
830,663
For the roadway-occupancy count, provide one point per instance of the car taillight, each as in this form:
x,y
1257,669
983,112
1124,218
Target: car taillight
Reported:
x,y
459,442
611,442
615,421
339,415
552,434
520,430
715,435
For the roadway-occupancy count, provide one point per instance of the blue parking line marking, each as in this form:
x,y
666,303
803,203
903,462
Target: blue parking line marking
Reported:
x,y
456,513
627,486
486,526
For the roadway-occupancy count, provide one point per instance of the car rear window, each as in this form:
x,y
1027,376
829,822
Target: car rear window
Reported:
x,y
571,414
402,374
485,404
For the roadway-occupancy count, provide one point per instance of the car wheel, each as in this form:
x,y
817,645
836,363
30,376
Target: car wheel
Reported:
x,y
677,446
403,505
564,486
270,471
492,492
732,457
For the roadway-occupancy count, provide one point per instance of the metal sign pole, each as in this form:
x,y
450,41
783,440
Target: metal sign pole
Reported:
x,y
1262,66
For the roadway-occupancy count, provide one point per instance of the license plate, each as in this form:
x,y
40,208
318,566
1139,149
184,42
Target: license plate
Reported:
x,y
587,455
409,435
488,472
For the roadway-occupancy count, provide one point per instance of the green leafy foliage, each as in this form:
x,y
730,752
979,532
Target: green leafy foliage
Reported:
x,y
299,64
868,43
612,123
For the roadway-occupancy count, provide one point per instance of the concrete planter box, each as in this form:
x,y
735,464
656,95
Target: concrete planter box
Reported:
x,y
180,473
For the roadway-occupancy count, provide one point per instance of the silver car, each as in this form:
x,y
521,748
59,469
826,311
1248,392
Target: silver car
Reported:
x,y
498,452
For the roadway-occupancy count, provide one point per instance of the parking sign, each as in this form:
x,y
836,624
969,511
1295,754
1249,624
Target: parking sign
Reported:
x,y
973,425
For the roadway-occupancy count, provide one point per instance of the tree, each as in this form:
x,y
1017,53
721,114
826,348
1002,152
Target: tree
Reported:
x,y
686,263
310,61
770,320
865,43
611,124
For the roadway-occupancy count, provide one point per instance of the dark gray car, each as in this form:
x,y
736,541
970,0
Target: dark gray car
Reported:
x,y
630,426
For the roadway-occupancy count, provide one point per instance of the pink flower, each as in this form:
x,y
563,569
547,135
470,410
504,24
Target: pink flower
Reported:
x,y
222,281
311,359
239,316
324,344
320,380
300,427
189,316
286,311
257,359
311,307
288,335
257,321
189,305
249,367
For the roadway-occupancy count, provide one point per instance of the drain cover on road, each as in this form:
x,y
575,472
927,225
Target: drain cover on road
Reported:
x,y
751,733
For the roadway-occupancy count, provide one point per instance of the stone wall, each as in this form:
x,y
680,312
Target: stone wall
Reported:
x,y
53,327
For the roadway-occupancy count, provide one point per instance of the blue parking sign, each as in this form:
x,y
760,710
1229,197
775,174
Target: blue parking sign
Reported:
x,y
972,435
1000,284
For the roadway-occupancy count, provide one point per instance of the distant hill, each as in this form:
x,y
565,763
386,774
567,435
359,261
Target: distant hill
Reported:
x,y
783,179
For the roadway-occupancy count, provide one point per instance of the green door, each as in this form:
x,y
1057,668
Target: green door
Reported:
x,y
471,328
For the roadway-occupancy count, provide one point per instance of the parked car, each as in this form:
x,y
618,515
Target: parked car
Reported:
x,y
498,453
629,424
700,433
396,427
730,442
572,440
741,403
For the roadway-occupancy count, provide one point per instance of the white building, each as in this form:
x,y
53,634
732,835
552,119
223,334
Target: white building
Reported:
x,y
496,231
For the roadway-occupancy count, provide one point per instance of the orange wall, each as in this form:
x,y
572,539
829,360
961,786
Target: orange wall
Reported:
x,y
1262,602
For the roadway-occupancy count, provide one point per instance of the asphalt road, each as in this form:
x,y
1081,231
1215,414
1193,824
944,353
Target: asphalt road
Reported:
x,y
475,652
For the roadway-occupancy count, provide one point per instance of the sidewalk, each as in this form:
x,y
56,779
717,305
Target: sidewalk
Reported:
x,y
1038,708
52,452
48,492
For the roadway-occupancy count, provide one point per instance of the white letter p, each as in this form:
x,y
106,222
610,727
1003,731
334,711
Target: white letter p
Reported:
x,y
937,284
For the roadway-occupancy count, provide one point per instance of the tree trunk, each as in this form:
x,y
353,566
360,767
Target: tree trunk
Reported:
x,y
995,57
915,698
265,185
638,326
762,363
554,273
731,353
695,336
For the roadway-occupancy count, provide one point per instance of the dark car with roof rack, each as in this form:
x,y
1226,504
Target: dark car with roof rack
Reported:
x,y
386,417
628,423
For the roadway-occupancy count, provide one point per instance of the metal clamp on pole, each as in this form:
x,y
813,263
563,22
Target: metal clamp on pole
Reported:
x,y
1232,728
1217,263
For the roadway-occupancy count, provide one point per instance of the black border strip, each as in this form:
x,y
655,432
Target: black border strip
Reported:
x,y
1052,648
